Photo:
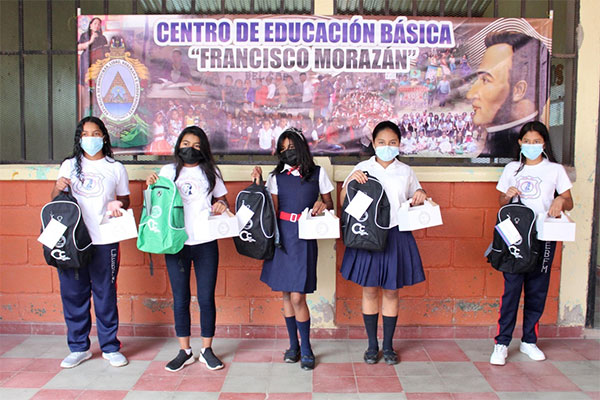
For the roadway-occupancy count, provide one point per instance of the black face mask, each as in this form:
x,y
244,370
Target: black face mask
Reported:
x,y
190,155
289,157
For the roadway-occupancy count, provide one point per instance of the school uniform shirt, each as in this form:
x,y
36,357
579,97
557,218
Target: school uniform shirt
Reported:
x,y
398,179
101,182
193,188
325,185
536,183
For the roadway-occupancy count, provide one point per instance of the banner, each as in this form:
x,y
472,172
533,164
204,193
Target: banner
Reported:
x,y
457,87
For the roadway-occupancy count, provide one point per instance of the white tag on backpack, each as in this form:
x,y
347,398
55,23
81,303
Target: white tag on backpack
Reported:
x,y
359,204
508,232
52,233
244,214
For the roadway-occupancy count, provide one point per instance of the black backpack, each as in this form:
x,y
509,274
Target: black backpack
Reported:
x,y
371,230
260,236
523,256
74,249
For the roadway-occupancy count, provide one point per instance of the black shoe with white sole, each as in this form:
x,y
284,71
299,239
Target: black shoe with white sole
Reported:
x,y
208,357
180,361
291,356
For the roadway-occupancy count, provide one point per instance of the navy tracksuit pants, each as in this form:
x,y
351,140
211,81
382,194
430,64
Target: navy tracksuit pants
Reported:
x,y
535,284
97,279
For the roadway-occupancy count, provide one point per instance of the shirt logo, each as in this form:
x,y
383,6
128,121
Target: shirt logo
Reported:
x,y
91,186
188,189
529,186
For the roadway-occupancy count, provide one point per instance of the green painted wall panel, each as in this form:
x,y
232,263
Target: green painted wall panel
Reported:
x,y
36,107
120,7
90,7
64,25
35,15
64,101
9,25
10,145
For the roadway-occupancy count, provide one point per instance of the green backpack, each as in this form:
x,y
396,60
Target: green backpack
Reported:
x,y
162,226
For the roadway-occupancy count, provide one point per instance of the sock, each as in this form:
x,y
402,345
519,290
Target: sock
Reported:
x,y
188,351
389,326
371,328
290,323
304,329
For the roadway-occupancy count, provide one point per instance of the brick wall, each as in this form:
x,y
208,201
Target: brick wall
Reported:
x,y
461,288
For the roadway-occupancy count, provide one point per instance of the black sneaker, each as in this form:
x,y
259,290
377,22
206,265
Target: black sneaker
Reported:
x,y
180,361
291,356
371,356
390,356
208,357
307,362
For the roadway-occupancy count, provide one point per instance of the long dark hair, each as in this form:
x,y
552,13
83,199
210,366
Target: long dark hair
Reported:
x,y
89,29
540,128
207,165
78,151
303,155
383,125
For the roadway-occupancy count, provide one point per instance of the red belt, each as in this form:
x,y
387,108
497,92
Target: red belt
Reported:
x,y
292,217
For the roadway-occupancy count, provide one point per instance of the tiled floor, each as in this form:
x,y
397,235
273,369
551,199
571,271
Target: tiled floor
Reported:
x,y
429,369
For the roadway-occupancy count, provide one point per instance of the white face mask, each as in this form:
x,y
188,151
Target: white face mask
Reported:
x,y
387,153
92,144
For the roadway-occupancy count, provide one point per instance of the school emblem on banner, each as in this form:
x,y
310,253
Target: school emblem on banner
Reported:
x,y
118,83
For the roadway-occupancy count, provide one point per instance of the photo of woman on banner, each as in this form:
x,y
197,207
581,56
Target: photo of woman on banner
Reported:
x,y
510,89
92,44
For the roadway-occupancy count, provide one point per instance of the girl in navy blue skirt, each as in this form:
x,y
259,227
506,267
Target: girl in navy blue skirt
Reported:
x,y
295,184
399,264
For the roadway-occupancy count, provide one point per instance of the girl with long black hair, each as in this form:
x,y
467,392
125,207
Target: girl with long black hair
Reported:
x,y
543,186
201,187
399,264
100,184
295,184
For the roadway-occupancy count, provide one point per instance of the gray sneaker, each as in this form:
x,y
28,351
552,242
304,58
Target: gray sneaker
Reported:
x,y
75,358
115,358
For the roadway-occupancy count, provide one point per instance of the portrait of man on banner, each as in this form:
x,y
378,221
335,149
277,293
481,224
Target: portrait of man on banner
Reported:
x,y
510,89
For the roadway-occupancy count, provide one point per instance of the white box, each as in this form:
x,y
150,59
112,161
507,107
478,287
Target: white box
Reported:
x,y
419,217
325,226
555,229
211,227
117,229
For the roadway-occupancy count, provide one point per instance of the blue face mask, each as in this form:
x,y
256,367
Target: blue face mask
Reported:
x,y
92,144
532,151
387,153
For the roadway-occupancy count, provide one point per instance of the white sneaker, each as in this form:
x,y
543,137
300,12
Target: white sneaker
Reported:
x,y
532,351
115,358
499,355
75,358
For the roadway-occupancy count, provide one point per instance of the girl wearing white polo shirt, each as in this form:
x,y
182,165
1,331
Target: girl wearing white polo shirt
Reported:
x,y
201,187
97,181
399,264
543,186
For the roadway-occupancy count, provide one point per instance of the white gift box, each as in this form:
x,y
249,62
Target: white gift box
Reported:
x,y
555,229
325,226
117,229
419,217
211,227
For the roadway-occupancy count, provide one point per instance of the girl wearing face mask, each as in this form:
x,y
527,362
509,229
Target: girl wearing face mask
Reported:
x,y
201,187
399,264
543,186
100,185
295,184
